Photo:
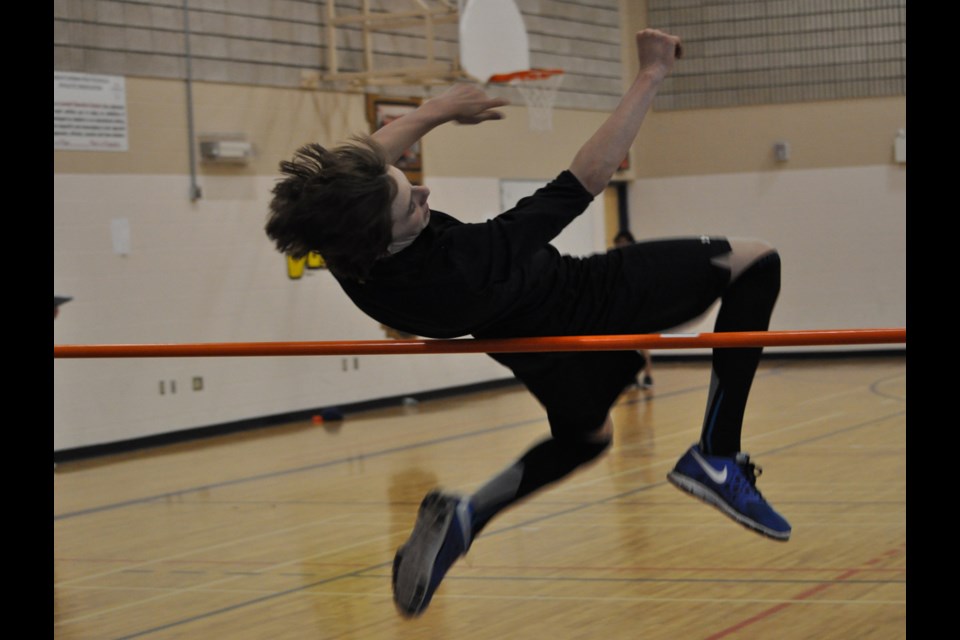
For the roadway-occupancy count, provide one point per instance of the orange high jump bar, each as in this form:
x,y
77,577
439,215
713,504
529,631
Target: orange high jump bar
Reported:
x,y
505,345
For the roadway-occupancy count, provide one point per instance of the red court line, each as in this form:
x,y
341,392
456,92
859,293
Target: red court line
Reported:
x,y
503,345
849,573
697,569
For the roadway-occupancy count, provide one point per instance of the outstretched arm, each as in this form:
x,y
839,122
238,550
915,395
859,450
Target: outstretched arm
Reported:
x,y
600,156
463,103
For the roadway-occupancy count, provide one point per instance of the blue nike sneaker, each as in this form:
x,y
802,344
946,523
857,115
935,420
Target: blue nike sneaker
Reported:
x,y
729,484
441,534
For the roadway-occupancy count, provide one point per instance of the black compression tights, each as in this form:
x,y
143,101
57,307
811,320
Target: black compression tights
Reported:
x,y
747,305
543,464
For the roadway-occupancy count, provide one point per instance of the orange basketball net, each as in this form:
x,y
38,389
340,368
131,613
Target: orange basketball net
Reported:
x,y
539,90
507,345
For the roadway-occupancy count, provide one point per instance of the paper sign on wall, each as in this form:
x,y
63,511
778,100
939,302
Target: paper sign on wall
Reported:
x,y
89,112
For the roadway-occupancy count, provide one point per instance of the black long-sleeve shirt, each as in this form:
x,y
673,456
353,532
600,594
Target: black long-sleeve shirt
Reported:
x,y
500,278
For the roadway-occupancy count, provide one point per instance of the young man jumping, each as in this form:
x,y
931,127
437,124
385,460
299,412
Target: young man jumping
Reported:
x,y
425,273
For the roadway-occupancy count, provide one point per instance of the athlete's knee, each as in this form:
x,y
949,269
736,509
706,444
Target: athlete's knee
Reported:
x,y
602,434
587,451
748,301
745,253
581,449
765,272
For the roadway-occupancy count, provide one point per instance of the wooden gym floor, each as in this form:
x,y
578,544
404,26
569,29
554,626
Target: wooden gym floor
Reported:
x,y
289,532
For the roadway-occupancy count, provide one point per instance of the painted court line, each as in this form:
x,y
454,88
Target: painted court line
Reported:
x,y
803,598
531,521
800,598
321,465
285,472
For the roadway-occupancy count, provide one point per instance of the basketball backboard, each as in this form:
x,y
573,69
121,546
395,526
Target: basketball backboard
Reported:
x,y
493,38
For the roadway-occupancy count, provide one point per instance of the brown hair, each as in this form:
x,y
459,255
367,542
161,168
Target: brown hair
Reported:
x,y
335,203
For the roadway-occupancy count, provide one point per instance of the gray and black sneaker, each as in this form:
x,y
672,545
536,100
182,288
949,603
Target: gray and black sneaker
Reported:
x,y
440,536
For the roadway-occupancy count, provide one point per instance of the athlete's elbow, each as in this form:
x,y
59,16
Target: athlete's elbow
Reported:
x,y
592,180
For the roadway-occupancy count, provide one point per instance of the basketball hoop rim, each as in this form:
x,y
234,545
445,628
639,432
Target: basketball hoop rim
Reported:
x,y
527,75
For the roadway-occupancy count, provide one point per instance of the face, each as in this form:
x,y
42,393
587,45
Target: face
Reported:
x,y
409,211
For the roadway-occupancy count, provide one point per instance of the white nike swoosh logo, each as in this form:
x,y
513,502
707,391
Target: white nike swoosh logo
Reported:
x,y
717,476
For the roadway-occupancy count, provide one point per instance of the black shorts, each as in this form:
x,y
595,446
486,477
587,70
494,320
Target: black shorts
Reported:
x,y
643,288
